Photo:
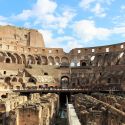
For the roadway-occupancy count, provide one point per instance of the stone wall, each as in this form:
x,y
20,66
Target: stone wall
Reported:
x,y
92,111
21,36
31,110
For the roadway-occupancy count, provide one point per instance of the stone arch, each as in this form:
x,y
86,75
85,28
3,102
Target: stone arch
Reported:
x,y
51,60
13,58
44,60
3,53
109,80
98,60
7,79
8,60
31,59
33,80
65,60
38,59
23,58
107,60
20,80
73,62
57,60
64,81
14,79
83,63
19,59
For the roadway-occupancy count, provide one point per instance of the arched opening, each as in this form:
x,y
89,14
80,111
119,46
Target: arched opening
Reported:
x,y
12,57
38,59
57,60
44,60
65,60
51,60
23,58
7,80
30,59
64,81
83,63
19,59
14,79
32,79
100,60
109,80
73,63
107,59
20,80
3,96
7,60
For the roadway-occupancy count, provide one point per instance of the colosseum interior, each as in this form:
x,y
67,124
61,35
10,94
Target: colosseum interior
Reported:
x,y
47,86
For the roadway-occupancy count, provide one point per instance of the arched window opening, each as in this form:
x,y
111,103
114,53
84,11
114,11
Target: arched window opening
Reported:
x,y
44,60
7,60
51,60
7,80
20,80
33,80
19,59
4,72
109,80
64,81
65,60
14,79
83,63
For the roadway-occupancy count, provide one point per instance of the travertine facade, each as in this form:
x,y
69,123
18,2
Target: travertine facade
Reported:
x,y
22,63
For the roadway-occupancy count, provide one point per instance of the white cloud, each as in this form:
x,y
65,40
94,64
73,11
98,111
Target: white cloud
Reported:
x,y
43,7
74,44
95,6
85,4
98,10
119,30
47,36
46,15
87,31
24,15
66,42
123,7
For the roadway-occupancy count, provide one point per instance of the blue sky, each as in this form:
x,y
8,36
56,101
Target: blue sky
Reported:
x,y
68,23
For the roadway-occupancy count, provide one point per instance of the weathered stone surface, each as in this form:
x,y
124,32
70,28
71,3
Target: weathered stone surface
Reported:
x,y
25,63
98,112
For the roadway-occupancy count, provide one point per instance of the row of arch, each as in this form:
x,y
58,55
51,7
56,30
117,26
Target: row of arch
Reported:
x,y
95,60
103,59
8,57
9,79
109,59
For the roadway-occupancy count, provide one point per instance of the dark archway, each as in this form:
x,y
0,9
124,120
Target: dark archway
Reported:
x,y
20,80
109,80
14,79
83,63
64,81
32,79
8,60
7,80
44,60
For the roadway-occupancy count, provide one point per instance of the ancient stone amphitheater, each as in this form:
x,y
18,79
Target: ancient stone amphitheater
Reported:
x,y
47,86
